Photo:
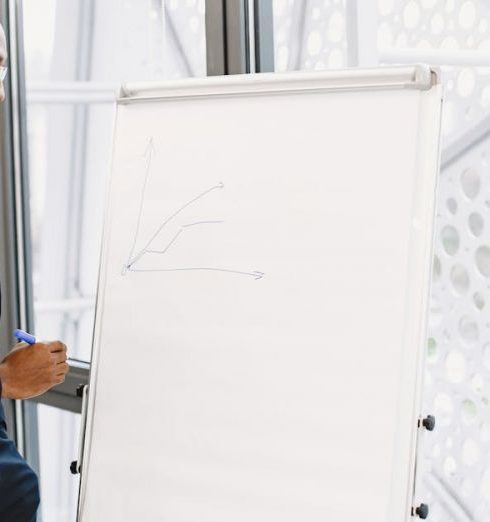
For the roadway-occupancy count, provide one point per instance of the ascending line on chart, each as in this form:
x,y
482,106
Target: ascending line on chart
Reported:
x,y
136,255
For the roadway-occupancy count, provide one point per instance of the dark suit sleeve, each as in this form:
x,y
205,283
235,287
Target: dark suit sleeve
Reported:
x,y
19,488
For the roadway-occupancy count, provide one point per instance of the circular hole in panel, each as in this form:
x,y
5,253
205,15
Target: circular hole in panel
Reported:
x,y
314,43
411,14
485,96
455,366
485,431
485,484
466,82
482,259
452,205
485,44
477,383
468,329
450,240
471,110
431,350
385,7
467,15
486,355
435,313
470,452
436,269
470,182
443,407
336,59
449,466
401,40
385,36
336,27
449,44
427,379
436,451
449,6
437,24
479,300
460,279
469,411
476,223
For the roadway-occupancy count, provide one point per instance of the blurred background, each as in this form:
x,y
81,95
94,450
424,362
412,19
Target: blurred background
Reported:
x,y
71,57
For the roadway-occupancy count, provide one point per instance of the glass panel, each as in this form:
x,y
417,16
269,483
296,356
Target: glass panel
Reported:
x,y
67,198
455,476
58,440
72,71
309,35
76,55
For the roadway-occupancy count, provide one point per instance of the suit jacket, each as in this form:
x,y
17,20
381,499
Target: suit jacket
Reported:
x,y
19,488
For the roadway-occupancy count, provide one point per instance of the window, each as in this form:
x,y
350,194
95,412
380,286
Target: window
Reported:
x,y
317,35
72,73
76,55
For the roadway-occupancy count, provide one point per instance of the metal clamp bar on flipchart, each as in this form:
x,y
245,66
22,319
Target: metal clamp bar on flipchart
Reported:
x,y
418,77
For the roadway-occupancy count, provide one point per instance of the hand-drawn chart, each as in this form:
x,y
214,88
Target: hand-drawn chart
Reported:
x,y
179,232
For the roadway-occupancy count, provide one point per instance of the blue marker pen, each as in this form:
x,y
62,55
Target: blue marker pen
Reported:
x,y
24,336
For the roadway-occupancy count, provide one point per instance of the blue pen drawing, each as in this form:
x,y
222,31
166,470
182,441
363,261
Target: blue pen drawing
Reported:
x,y
149,247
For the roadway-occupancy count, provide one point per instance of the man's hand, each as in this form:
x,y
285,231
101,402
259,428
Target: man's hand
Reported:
x,y
32,369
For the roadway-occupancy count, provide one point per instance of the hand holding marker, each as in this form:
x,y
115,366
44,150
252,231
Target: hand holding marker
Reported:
x,y
24,336
32,368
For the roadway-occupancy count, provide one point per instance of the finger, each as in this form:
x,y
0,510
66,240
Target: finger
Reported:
x,y
59,379
57,346
18,346
46,346
62,368
58,357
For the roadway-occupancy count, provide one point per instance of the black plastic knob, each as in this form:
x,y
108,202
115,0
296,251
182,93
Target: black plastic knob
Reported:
x,y
422,511
80,390
429,423
74,467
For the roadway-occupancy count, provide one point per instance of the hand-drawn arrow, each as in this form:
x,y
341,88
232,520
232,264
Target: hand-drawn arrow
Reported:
x,y
256,274
148,155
